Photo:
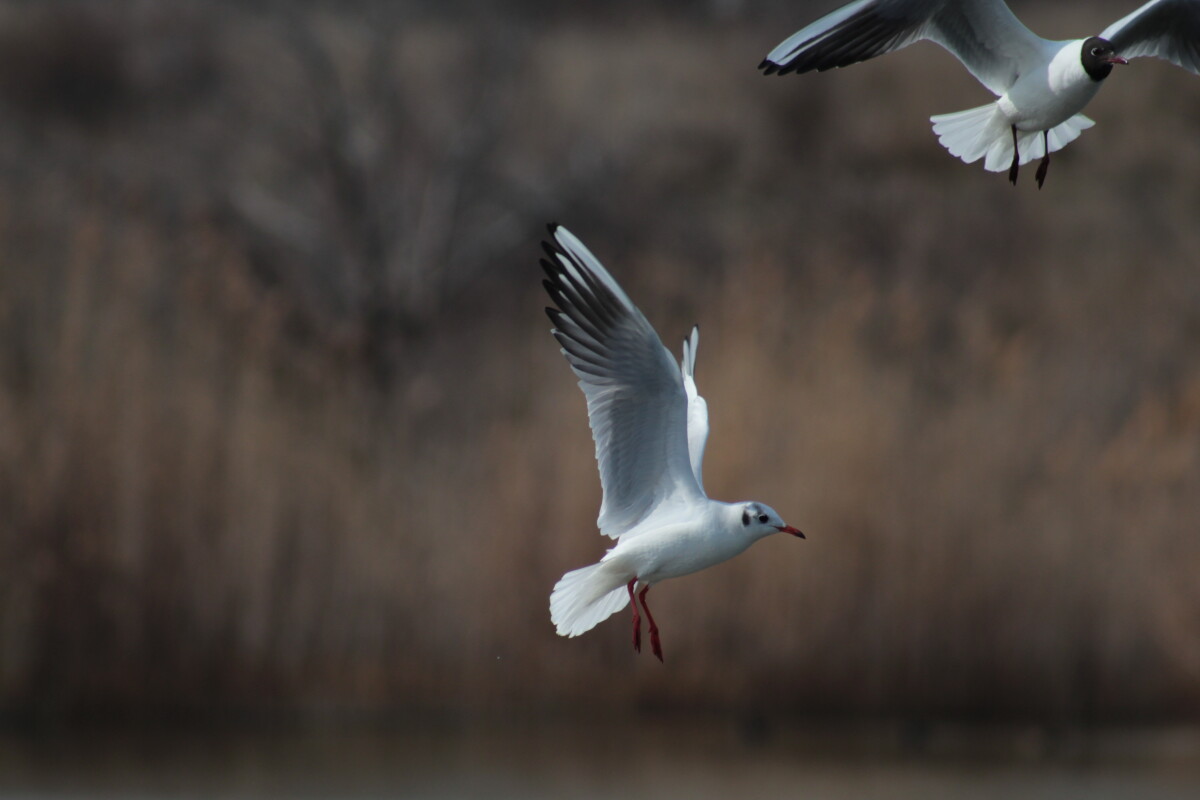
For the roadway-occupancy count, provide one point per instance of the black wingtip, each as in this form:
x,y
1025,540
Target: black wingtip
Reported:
x,y
769,67
553,227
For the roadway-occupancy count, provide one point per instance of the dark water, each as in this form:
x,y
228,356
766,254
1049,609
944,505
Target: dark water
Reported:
x,y
688,759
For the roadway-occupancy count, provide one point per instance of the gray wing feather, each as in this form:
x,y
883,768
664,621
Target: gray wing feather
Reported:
x,y
697,414
637,404
983,34
1167,29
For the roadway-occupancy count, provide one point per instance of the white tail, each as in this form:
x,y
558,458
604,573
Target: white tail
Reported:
x,y
984,132
583,598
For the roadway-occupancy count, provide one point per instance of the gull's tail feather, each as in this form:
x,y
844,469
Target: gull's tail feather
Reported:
x,y
1064,133
583,598
974,133
984,132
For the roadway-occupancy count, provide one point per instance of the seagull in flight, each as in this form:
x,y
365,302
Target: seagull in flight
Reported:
x,y
650,426
1041,85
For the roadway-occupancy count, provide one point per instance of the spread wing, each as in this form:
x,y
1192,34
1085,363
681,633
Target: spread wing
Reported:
x,y
637,404
1168,29
983,34
697,408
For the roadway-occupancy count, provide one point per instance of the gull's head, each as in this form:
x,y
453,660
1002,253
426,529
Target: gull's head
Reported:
x,y
761,520
1098,57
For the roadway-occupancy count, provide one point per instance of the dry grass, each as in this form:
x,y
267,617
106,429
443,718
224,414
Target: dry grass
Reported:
x,y
281,426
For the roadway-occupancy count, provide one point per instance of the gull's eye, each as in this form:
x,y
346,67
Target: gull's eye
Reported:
x,y
1096,51
745,517
763,518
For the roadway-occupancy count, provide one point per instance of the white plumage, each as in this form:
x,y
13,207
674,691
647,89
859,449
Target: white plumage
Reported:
x,y
650,426
1041,85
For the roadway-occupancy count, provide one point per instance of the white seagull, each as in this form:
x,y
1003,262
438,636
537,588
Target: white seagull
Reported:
x,y
1042,85
650,426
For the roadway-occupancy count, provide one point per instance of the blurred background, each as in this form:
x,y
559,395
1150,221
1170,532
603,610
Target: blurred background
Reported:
x,y
286,450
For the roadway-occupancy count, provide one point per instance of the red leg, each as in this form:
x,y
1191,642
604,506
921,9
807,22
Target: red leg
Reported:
x,y
1012,171
1045,165
655,644
637,620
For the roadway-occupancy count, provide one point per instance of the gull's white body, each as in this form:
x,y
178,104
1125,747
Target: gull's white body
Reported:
x,y
650,425
1041,85
1048,96
1055,89
697,538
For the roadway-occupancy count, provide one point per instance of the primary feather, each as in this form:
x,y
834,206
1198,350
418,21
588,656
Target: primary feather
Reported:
x,y
637,404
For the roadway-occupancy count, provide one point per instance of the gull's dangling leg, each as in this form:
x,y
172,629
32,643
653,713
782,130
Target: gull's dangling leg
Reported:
x,y
637,620
655,644
1012,171
1045,165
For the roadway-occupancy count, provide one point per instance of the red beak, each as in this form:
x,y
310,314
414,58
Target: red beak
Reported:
x,y
791,530
1116,60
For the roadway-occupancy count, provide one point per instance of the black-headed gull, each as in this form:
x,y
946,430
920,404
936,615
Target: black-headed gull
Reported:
x,y
650,426
1042,85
